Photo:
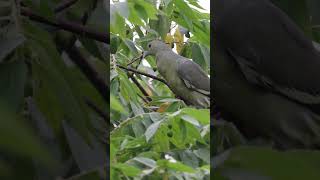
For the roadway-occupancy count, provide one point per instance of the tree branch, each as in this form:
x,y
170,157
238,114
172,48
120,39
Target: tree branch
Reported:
x,y
64,5
68,26
90,72
98,110
135,59
144,74
144,99
144,92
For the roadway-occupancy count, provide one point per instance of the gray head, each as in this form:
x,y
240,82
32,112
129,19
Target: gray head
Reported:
x,y
154,47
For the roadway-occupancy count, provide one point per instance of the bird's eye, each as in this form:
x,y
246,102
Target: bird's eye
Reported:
x,y
149,45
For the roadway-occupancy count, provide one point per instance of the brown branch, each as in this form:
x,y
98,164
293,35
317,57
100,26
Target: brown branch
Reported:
x,y
97,110
73,52
135,59
90,72
64,5
144,92
68,26
144,74
144,99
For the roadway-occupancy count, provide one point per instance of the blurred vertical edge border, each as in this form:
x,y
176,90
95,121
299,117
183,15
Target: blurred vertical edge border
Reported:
x,y
212,106
276,136
108,78
54,89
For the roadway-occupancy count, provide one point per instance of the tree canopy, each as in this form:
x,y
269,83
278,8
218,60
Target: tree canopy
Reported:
x,y
53,89
155,134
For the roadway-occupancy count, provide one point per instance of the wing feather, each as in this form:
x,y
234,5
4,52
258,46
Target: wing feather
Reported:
x,y
193,76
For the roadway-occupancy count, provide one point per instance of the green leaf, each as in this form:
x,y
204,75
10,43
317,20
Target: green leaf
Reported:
x,y
114,43
134,16
49,78
17,138
141,11
92,46
146,161
119,26
186,10
195,3
198,56
12,81
119,7
116,105
131,46
204,154
253,161
190,120
161,25
127,169
10,39
86,157
127,88
201,115
176,166
80,7
42,7
99,18
138,129
183,134
152,130
149,8
161,140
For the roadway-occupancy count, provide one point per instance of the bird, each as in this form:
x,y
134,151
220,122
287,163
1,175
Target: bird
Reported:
x,y
266,74
184,77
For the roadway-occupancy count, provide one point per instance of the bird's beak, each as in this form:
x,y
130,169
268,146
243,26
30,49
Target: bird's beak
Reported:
x,y
145,54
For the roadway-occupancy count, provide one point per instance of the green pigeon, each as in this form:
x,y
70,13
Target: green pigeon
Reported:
x,y
185,78
266,73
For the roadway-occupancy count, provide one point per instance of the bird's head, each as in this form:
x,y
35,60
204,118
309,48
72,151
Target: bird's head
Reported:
x,y
154,47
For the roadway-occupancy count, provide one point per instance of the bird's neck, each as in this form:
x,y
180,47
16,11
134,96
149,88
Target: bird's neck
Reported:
x,y
167,57
167,52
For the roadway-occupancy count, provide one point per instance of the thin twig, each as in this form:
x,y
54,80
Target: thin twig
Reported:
x,y
90,72
135,59
144,99
97,110
144,92
68,26
64,5
144,74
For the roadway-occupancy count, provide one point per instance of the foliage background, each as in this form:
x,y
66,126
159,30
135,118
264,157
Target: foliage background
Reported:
x,y
53,89
50,130
232,155
155,135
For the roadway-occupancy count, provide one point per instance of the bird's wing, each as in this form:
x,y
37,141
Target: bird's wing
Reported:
x,y
259,79
194,77
272,51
